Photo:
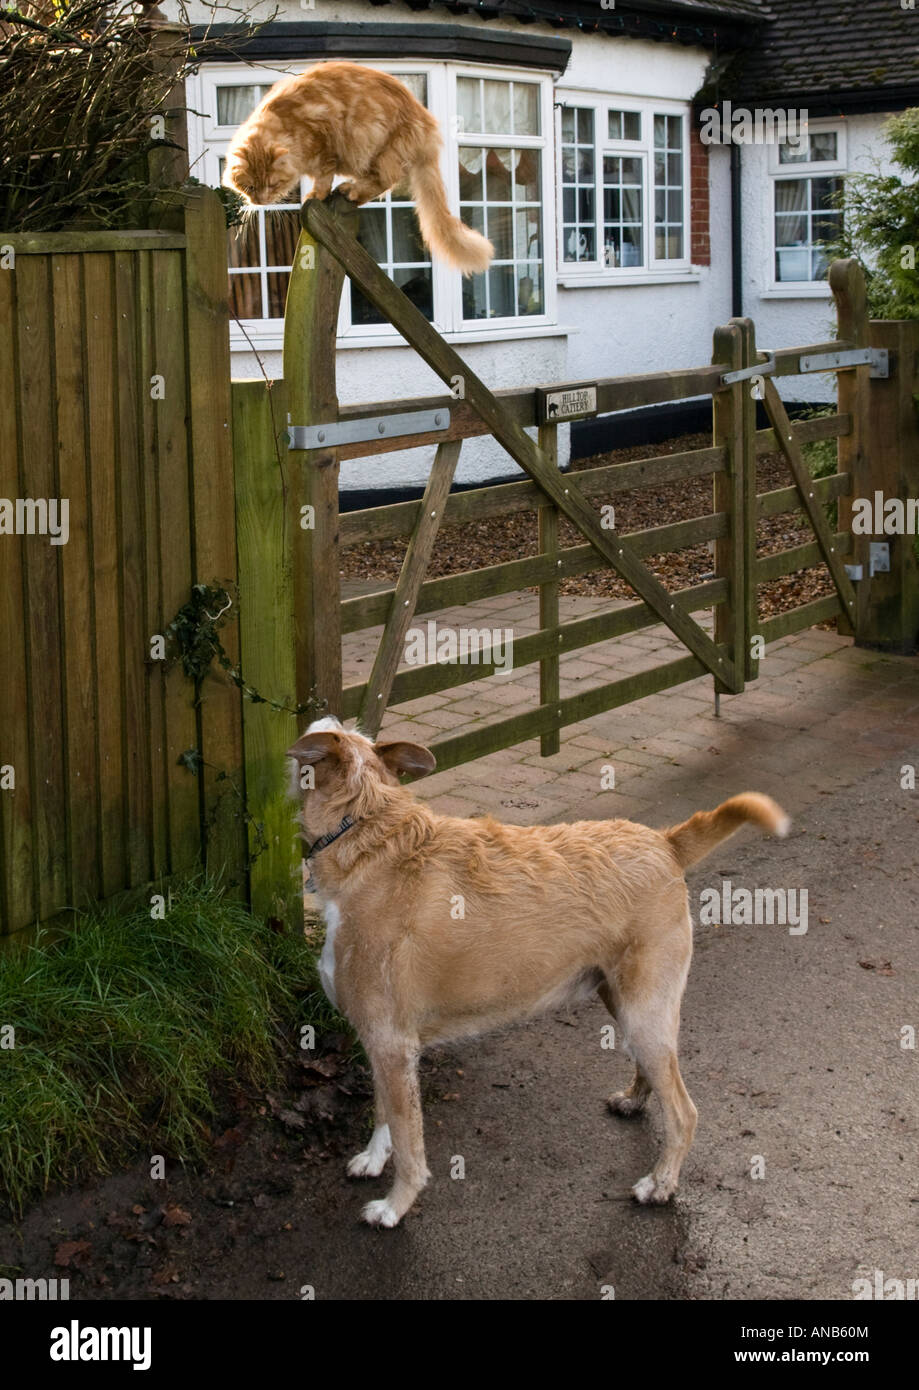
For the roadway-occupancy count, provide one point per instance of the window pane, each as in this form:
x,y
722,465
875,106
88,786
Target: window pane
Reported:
x,y
469,103
622,212
824,193
615,125
498,175
585,164
568,119
526,108
631,171
660,132
234,104
417,84
529,236
790,229
499,230
569,196
371,232
282,231
277,293
243,242
794,152
246,296
631,125
475,297
407,245
471,167
823,145
526,176
417,284
790,195
497,107
502,292
674,133
529,293
585,125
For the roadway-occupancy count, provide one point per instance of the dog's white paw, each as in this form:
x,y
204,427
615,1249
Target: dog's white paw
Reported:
x,y
380,1213
649,1191
371,1162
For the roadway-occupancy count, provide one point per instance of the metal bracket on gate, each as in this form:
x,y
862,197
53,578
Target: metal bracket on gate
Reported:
x,y
875,358
361,430
878,359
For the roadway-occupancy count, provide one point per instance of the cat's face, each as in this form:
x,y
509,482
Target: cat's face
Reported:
x,y
262,173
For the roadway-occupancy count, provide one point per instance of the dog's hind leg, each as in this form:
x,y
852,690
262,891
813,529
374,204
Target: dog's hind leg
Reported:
x,y
632,1100
395,1077
647,998
372,1160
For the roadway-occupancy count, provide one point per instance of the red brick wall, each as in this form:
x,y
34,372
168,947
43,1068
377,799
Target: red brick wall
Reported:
x,y
701,252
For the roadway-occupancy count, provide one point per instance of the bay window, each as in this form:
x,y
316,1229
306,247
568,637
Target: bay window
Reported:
x,y
497,168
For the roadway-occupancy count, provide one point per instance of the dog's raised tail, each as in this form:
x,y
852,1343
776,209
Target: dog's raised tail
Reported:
x,y
449,238
699,835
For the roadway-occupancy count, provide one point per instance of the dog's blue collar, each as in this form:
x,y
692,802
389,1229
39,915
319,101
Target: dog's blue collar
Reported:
x,y
322,843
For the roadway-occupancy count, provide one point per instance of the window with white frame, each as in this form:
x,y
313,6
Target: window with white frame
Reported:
x,y
807,177
496,171
623,182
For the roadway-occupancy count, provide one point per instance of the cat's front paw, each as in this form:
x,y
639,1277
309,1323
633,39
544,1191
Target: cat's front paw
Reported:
x,y
349,190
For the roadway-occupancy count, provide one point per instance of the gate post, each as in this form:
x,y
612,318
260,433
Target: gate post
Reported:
x,y
888,604
310,326
730,429
847,281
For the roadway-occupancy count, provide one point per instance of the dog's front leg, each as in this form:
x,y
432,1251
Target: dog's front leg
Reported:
x,y
372,1160
395,1079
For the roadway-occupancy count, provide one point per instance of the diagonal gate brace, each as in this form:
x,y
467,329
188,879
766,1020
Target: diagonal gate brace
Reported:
x,y
561,488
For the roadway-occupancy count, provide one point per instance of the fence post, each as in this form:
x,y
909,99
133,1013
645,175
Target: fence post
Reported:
x,y
730,429
847,281
213,518
266,623
547,522
310,324
888,608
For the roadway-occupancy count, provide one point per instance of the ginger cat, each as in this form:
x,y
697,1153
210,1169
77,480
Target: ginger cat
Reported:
x,y
341,118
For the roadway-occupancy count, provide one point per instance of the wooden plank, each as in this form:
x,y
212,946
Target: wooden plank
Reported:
x,y
728,432
214,531
799,557
79,752
414,327
267,627
369,609
18,898
814,509
462,748
134,643
174,558
748,400
788,499
613,394
310,326
100,376
566,638
78,243
405,596
820,610
506,499
806,432
547,529
38,479
148,408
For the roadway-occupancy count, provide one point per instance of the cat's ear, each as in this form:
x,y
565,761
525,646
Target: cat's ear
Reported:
x,y
280,151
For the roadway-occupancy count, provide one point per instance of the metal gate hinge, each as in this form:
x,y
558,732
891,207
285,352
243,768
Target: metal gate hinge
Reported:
x,y
360,430
876,358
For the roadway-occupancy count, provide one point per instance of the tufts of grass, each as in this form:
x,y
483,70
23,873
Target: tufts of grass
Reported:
x,y
123,1026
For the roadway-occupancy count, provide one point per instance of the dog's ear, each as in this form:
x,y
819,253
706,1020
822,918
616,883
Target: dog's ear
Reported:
x,y
406,757
313,747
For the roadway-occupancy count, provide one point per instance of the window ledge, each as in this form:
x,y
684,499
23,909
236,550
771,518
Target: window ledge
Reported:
x,y
274,342
609,282
803,290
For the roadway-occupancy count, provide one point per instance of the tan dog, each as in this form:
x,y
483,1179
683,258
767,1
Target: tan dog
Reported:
x,y
438,928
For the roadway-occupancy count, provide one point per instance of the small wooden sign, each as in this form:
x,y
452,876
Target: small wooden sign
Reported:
x,y
558,403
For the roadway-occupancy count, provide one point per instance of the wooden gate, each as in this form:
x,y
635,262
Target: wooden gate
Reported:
x,y
301,613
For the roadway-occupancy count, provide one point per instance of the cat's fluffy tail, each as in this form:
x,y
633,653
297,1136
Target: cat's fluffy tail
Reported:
x,y
446,235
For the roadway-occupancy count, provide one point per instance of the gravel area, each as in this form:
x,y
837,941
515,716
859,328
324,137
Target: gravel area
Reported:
x,y
491,542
